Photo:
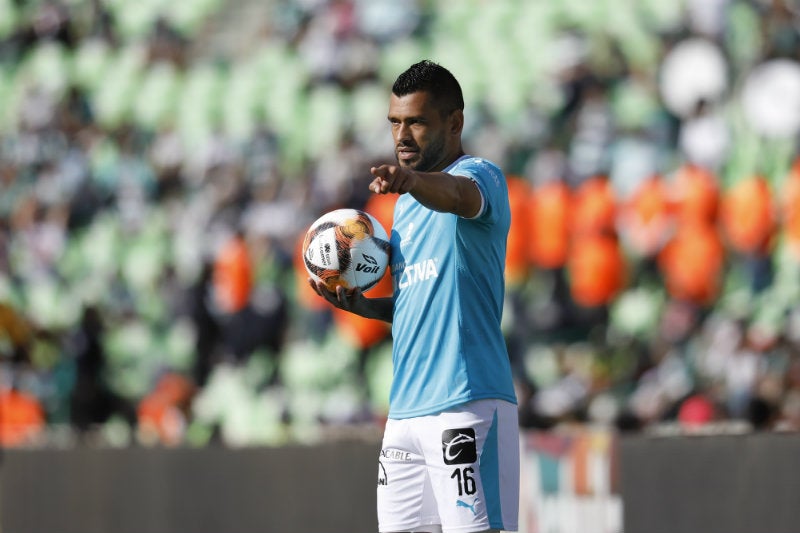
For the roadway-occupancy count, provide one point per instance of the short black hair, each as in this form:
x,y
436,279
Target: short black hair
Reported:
x,y
432,78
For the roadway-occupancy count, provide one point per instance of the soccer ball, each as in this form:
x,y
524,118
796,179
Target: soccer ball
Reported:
x,y
346,247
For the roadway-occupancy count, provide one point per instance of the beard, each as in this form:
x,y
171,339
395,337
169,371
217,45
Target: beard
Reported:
x,y
427,158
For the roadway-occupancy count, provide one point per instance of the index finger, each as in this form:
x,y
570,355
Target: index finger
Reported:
x,y
382,171
377,185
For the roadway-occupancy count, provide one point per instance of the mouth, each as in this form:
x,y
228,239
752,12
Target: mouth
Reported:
x,y
405,153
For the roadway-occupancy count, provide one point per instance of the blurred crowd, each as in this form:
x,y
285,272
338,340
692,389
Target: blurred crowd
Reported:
x,y
154,191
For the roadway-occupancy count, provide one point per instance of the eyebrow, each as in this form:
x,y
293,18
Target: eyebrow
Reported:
x,y
417,118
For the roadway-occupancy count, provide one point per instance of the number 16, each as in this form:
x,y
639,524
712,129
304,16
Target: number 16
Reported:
x,y
466,483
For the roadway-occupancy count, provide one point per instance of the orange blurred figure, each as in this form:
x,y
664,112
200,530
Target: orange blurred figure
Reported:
x,y
594,207
361,332
747,215
162,413
695,195
597,269
517,260
548,223
645,219
381,206
789,205
692,263
22,418
233,275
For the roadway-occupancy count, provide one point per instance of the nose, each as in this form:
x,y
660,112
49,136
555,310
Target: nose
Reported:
x,y
402,133
402,130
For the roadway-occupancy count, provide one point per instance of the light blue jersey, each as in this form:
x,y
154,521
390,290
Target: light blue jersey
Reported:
x,y
448,348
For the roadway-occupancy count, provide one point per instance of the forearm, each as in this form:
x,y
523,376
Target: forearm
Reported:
x,y
438,191
446,193
376,308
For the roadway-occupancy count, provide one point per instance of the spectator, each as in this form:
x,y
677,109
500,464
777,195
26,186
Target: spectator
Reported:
x,y
92,402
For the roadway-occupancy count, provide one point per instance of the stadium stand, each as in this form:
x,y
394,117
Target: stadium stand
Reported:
x,y
137,139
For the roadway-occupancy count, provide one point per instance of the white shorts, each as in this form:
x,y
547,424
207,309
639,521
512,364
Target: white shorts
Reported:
x,y
458,469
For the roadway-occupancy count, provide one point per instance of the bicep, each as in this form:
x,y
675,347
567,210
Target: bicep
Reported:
x,y
471,202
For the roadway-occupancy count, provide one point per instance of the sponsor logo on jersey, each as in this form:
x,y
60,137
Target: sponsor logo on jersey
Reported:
x,y
395,455
417,273
458,446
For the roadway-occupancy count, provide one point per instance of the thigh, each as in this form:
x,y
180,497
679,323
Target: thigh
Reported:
x,y
472,456
404,495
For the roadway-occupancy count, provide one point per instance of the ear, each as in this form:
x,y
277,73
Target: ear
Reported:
x,y
456,122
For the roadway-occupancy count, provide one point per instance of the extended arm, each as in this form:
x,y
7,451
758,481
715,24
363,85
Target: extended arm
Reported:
x,y
435,190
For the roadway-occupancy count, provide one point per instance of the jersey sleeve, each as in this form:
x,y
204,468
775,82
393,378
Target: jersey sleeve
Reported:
x,y
490,181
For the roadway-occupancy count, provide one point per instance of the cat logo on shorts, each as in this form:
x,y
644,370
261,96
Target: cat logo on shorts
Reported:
x,y
458,446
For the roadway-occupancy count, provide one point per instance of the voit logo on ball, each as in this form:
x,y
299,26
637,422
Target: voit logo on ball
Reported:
x,y
371,267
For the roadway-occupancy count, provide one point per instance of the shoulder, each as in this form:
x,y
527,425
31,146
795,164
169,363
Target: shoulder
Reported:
x,y
480,169
490,182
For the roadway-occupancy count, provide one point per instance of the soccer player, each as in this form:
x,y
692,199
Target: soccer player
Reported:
x,y
450,455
